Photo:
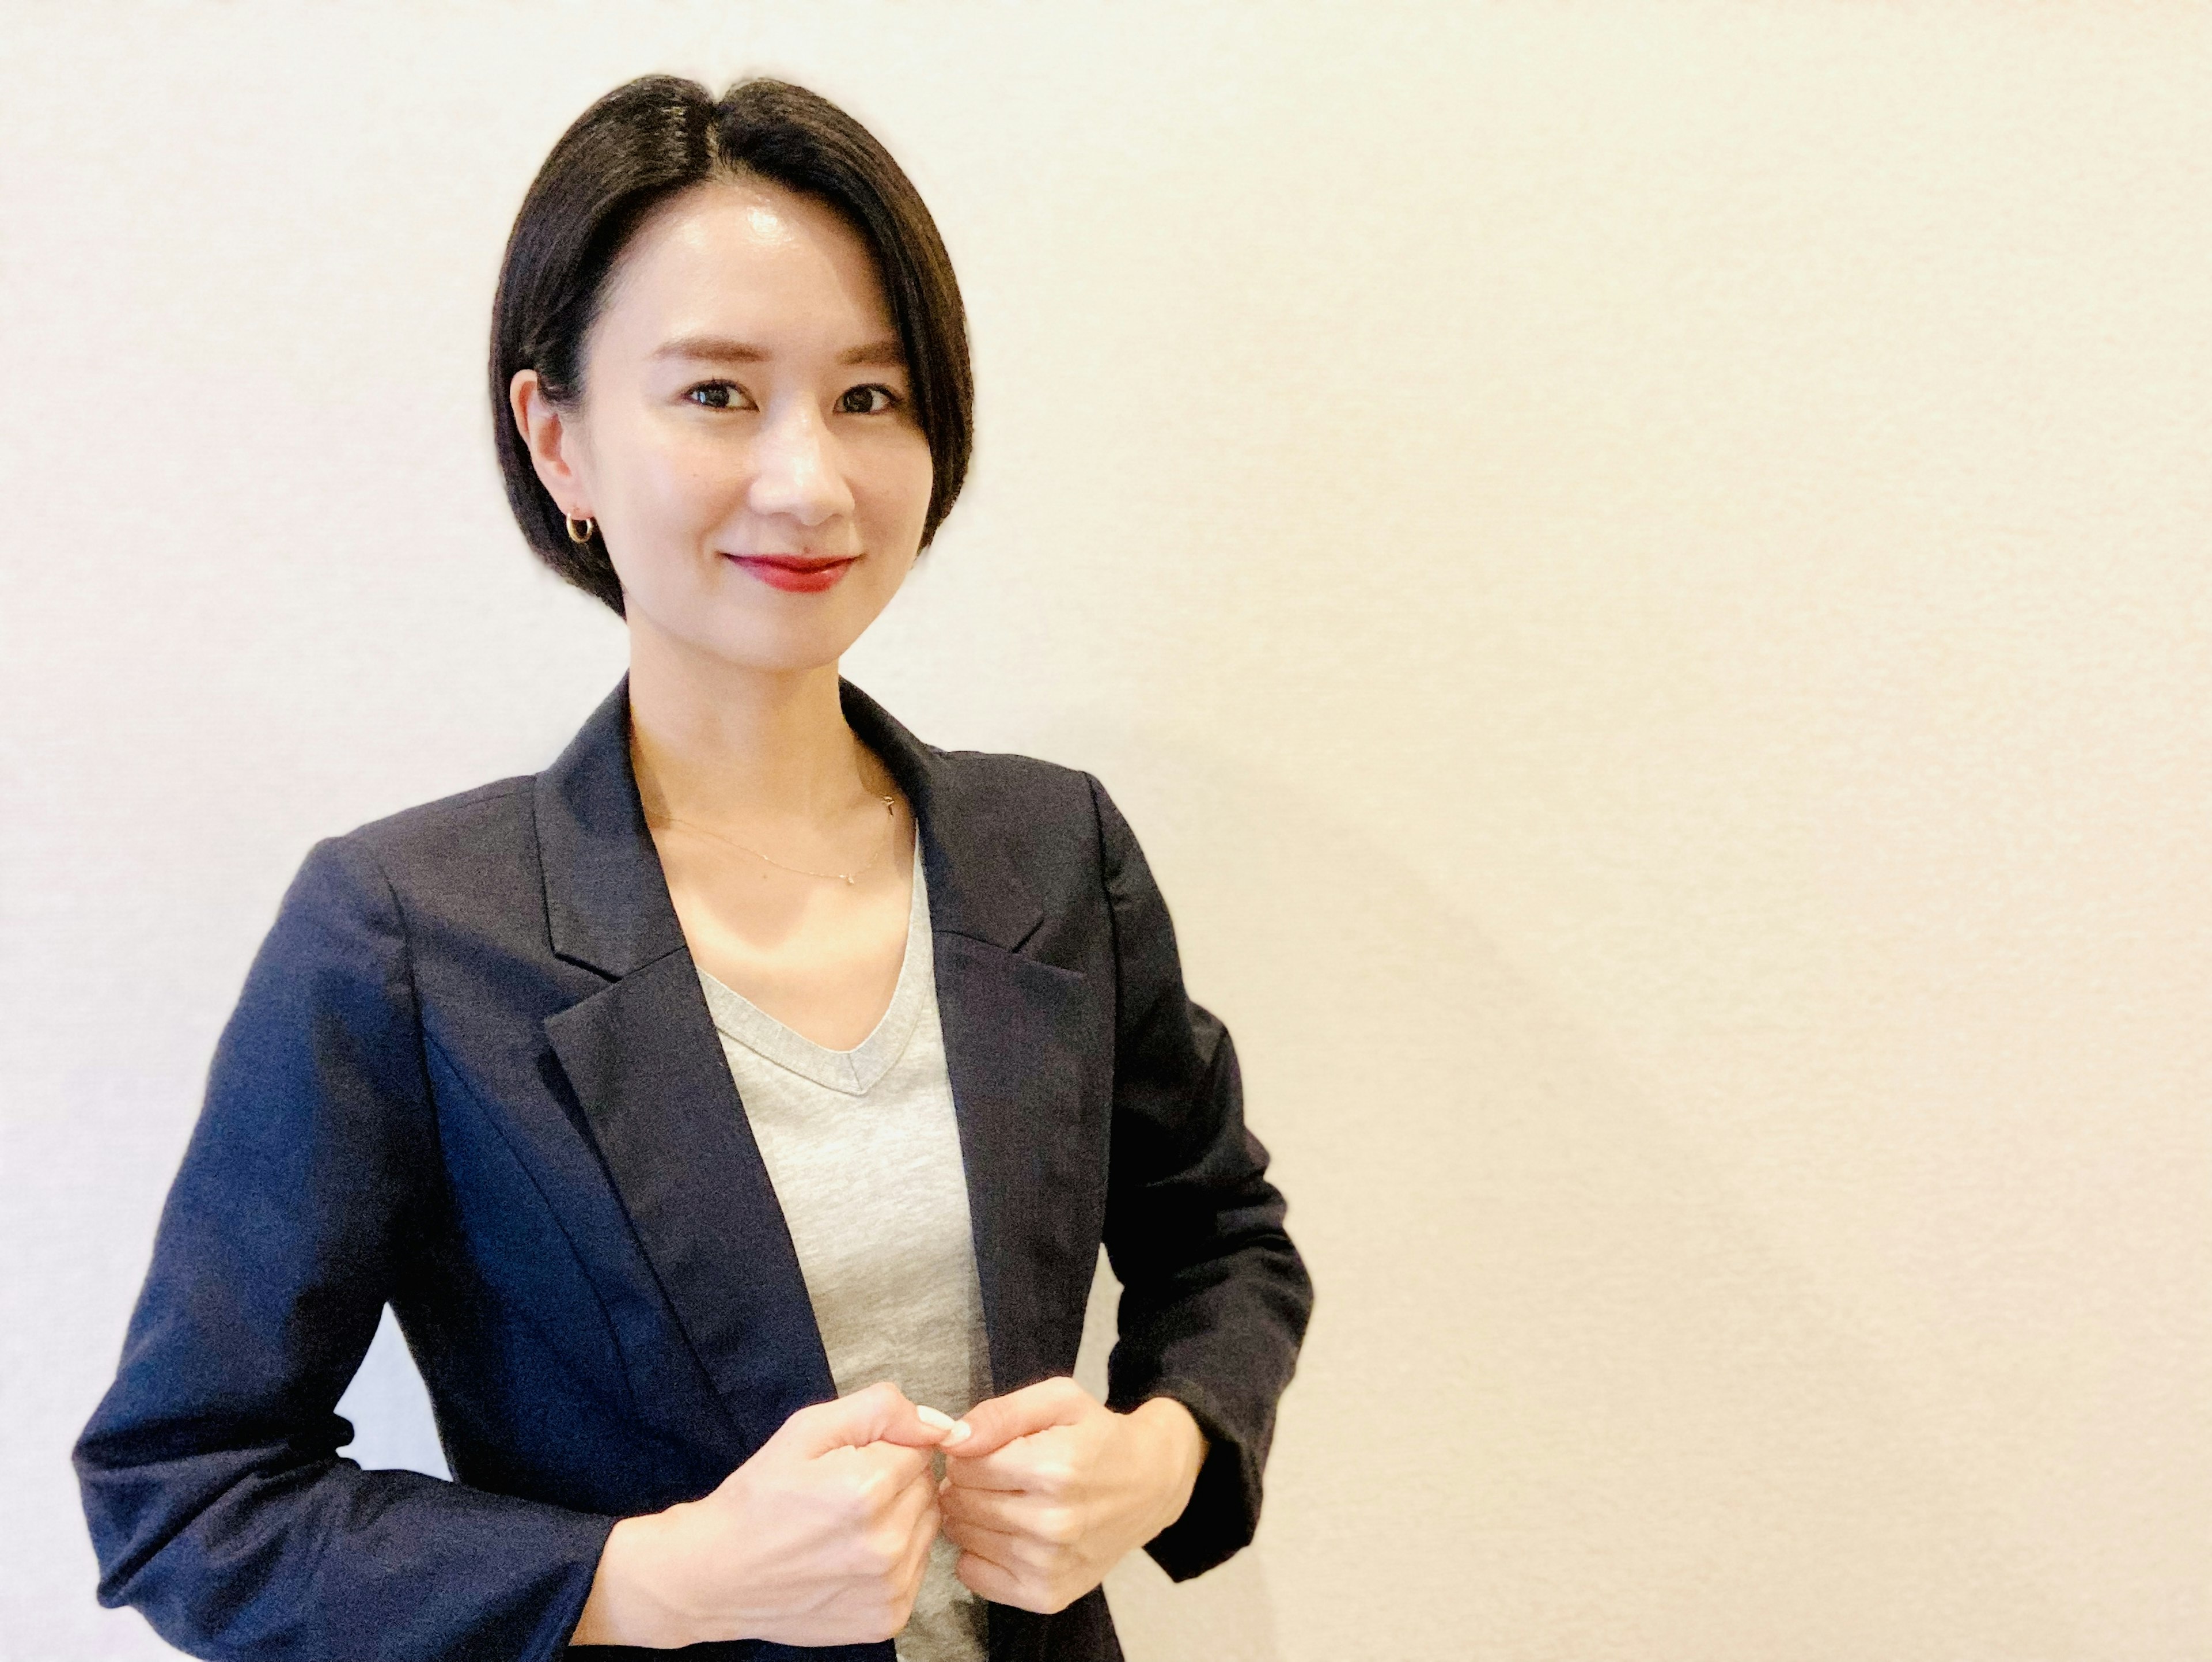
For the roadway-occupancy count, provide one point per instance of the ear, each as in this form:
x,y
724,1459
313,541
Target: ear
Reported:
x,y
550,438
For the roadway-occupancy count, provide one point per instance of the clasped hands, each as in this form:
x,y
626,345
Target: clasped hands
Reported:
x,y
821,1536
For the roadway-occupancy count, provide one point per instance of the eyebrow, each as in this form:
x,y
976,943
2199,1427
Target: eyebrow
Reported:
x,y
723,349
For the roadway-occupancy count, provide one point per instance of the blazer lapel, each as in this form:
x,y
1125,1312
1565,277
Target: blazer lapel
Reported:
x,y
643,1058
646,1064
1017,1030
1014,1040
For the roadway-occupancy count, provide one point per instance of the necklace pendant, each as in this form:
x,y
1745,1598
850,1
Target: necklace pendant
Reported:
x,y
847,876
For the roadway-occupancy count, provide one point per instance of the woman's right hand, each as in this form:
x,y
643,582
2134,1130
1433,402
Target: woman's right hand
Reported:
x,y
820,1539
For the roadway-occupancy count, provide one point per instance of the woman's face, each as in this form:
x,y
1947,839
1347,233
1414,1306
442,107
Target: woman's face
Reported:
x,y
746,435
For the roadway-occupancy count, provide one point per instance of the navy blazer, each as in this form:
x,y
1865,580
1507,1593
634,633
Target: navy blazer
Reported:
x,y
472,1074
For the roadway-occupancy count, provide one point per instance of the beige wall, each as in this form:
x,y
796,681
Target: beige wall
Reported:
x,y
1641,571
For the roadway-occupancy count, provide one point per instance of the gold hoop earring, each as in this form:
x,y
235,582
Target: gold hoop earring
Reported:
x,y
579,536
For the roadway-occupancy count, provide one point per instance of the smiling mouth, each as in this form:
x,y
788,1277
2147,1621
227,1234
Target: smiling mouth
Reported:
x,y
795,572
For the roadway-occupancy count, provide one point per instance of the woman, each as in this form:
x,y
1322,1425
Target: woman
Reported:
x,y
724,1110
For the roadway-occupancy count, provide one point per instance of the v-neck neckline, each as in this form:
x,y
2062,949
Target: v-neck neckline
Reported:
x,y
853,1072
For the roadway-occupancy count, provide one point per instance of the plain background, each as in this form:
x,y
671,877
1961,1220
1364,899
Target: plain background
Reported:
x,y
1641,571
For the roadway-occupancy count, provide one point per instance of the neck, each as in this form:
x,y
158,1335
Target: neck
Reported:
x,y
711,742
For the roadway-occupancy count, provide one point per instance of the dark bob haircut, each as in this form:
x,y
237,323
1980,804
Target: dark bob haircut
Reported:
x,y
641,144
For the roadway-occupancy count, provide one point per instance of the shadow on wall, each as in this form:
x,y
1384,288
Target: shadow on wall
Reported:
x,y
1226,1615
1562,1396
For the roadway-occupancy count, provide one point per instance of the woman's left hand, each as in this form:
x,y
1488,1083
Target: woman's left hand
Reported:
x,y
1052,1488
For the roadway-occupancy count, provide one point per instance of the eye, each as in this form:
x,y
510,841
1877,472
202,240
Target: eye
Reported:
x,y
867,400
718,395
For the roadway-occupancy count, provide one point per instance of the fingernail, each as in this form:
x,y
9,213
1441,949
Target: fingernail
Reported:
x,y
955,1431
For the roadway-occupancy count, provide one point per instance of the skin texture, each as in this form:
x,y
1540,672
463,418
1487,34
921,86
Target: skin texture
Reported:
x,y
1052,1489
743,399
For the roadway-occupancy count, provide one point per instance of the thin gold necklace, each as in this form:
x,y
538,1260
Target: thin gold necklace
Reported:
x,y
891,807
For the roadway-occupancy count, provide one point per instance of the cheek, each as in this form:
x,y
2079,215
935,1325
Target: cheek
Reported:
x,y
652,473
671,493
679,487
898,487
655,547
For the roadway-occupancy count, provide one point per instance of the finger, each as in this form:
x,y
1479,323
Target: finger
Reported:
x,y
994,1547
995,1423
879,1414
905,1527
1045,1462
923,1529
955,1431
1012,1552
899,1467
1012,1470
915,1496
998,1583
1003,1509
907,1530
1018,1532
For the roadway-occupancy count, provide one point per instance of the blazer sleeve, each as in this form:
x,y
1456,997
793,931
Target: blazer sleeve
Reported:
x,y
218,1504
1214,1297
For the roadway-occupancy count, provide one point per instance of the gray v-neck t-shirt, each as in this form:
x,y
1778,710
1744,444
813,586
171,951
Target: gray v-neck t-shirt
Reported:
x,y
864,1151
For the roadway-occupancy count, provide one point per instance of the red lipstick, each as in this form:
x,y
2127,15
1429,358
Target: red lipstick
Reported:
x,y
796,573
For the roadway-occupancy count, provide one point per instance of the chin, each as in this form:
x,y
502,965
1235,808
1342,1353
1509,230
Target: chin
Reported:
x,y
771,638
778,646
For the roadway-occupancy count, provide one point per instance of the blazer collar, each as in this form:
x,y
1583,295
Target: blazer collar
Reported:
x,y
640,1054
606,899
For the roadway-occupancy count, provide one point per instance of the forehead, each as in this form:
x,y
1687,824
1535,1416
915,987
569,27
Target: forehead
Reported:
x,y
747,259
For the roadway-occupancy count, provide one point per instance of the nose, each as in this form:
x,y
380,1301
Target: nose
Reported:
x,y
796,468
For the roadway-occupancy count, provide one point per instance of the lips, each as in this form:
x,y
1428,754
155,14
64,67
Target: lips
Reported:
x,y
795,574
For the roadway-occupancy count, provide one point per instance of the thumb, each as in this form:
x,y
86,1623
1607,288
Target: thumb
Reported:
x,y
995,1423
879,1414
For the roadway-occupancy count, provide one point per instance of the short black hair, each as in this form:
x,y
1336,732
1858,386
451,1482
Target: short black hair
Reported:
x,y
640,145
